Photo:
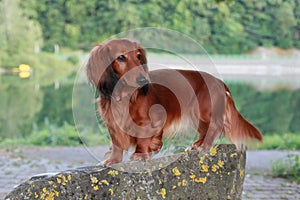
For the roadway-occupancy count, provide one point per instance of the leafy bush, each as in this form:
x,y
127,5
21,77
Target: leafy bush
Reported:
x,y
63,136
287,168
73,59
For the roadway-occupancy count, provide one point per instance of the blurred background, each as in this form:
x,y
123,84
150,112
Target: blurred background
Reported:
x,y
255,45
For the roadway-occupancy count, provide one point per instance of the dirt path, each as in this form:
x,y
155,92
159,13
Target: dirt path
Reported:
x,y
20,164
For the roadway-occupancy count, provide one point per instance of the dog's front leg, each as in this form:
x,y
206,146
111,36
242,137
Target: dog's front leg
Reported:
x,y
115,156
142,150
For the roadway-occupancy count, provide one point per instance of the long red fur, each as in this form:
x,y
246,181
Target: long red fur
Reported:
x,y
208,104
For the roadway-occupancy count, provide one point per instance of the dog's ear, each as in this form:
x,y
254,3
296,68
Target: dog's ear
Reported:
x,y
97,64
108,82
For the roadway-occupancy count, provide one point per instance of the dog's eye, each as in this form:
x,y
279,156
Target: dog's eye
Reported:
x,y
139,56
121,58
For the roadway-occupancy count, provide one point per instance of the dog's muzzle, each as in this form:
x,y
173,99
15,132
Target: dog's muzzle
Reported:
x,y
141,80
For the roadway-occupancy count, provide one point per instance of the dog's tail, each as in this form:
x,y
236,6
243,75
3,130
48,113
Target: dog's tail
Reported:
x,y
237,129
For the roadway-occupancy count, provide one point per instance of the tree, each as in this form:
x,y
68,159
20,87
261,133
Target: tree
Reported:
x,y
227,34
286,21
19,33
224,26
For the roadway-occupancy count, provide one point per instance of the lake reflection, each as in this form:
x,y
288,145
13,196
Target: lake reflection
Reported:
x,y
25,103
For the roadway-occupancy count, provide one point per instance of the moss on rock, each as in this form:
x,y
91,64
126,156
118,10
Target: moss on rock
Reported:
x,y
214,174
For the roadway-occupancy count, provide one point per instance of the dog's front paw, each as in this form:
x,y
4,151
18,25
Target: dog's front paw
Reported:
x,y
191,148
109,162
140,156
198,148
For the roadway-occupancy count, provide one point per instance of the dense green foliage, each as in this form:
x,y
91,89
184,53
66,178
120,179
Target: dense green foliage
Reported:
x,y
221,26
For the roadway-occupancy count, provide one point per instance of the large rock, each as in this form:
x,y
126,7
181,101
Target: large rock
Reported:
x,y
214,174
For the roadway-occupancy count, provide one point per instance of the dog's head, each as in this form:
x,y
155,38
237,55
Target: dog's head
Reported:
x,y
117,67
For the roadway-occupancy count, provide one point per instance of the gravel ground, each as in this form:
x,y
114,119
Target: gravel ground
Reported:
x,y
17,165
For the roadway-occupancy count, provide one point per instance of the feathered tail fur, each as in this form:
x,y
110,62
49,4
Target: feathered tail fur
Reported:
x,y
237,129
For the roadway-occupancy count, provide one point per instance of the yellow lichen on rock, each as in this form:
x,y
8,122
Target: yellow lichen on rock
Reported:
x,y
221,163
95,187
113,172
111,190
122,169
160,182
192,176
201,160
214,168
213,151
163,193
105,182
204,168
176,172
62,179
233,154
184,182
242,173
48,194
58,180
200,180
93,179
69,177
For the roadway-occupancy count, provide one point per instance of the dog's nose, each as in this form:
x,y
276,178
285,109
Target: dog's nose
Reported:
x,y
141,80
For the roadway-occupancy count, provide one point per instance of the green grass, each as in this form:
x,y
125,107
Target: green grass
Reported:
x,y
287,168
287,141
67,135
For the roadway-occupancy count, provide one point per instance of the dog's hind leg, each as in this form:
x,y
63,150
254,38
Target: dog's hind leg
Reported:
x,y
202,130
214,130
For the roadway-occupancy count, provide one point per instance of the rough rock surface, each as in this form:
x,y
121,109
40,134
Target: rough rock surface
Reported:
x,y
214,174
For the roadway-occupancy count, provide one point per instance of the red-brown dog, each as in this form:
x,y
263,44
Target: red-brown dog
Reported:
x,y
140,107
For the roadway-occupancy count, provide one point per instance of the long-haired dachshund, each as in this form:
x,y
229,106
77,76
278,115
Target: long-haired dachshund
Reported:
x,y
140,107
